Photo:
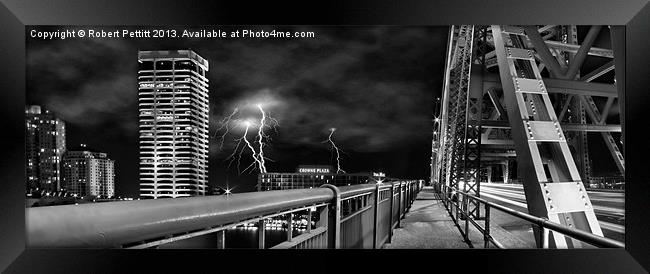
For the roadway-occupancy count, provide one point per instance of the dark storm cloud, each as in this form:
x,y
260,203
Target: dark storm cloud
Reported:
x,y
371,86
86,82
369,83
375,85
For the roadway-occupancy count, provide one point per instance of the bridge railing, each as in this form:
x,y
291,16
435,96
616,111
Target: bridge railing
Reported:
x,y
360,216
457,203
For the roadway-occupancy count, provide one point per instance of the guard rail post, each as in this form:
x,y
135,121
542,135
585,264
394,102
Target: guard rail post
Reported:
x,y
486,236
376,218
390,214
261,229
334,219
289,227
221,239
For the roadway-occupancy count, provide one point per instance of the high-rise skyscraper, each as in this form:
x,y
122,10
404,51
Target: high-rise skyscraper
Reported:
x,y
88,172
173,104
44,146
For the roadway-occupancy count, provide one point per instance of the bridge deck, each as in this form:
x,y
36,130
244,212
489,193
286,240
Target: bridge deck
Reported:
x,y
427,225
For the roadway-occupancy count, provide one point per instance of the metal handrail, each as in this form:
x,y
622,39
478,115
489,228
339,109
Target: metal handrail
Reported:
x,y
589,238
115,224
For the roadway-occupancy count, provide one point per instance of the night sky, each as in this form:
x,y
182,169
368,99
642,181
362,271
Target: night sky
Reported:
x,y
375,85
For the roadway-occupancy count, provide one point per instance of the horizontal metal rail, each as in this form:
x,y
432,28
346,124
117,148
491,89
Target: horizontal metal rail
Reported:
x,y
301,239
543,223
149,223
113,224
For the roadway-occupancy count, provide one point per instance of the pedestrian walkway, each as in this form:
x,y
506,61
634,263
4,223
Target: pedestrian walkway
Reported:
x,y
428,225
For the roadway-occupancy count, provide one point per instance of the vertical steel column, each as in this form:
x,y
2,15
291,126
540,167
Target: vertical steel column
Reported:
x,y
261,226
473,128
617,36
596,117
552,182
460,86
442,162
579,108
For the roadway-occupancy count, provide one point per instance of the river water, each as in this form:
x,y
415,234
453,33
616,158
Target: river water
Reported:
x,y
246,237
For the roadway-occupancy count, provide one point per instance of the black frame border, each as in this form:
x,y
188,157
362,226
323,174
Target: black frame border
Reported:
x,y
15,15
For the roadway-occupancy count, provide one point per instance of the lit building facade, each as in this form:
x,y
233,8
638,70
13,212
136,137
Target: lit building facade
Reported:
x,y
44,146
174,110
87,172
311,177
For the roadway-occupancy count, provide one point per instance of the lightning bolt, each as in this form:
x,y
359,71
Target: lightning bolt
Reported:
x,y
242,143
237,152
256,158
260,133
225,124
338,156
272,123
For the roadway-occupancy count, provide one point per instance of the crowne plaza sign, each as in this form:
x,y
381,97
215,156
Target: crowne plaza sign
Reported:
x,y
314,169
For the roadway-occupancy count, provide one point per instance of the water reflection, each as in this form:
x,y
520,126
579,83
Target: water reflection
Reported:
x,y
246,236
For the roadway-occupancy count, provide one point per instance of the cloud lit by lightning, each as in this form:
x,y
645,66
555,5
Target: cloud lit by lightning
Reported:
x,y
230,122
336,149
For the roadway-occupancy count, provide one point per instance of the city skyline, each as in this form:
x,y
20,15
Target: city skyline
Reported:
x,y
57,170
374,84
355,139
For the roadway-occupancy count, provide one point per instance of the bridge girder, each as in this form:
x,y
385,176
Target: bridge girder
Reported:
x,y
547,160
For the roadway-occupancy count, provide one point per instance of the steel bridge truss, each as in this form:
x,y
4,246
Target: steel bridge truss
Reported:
x,y
458,155
474,107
